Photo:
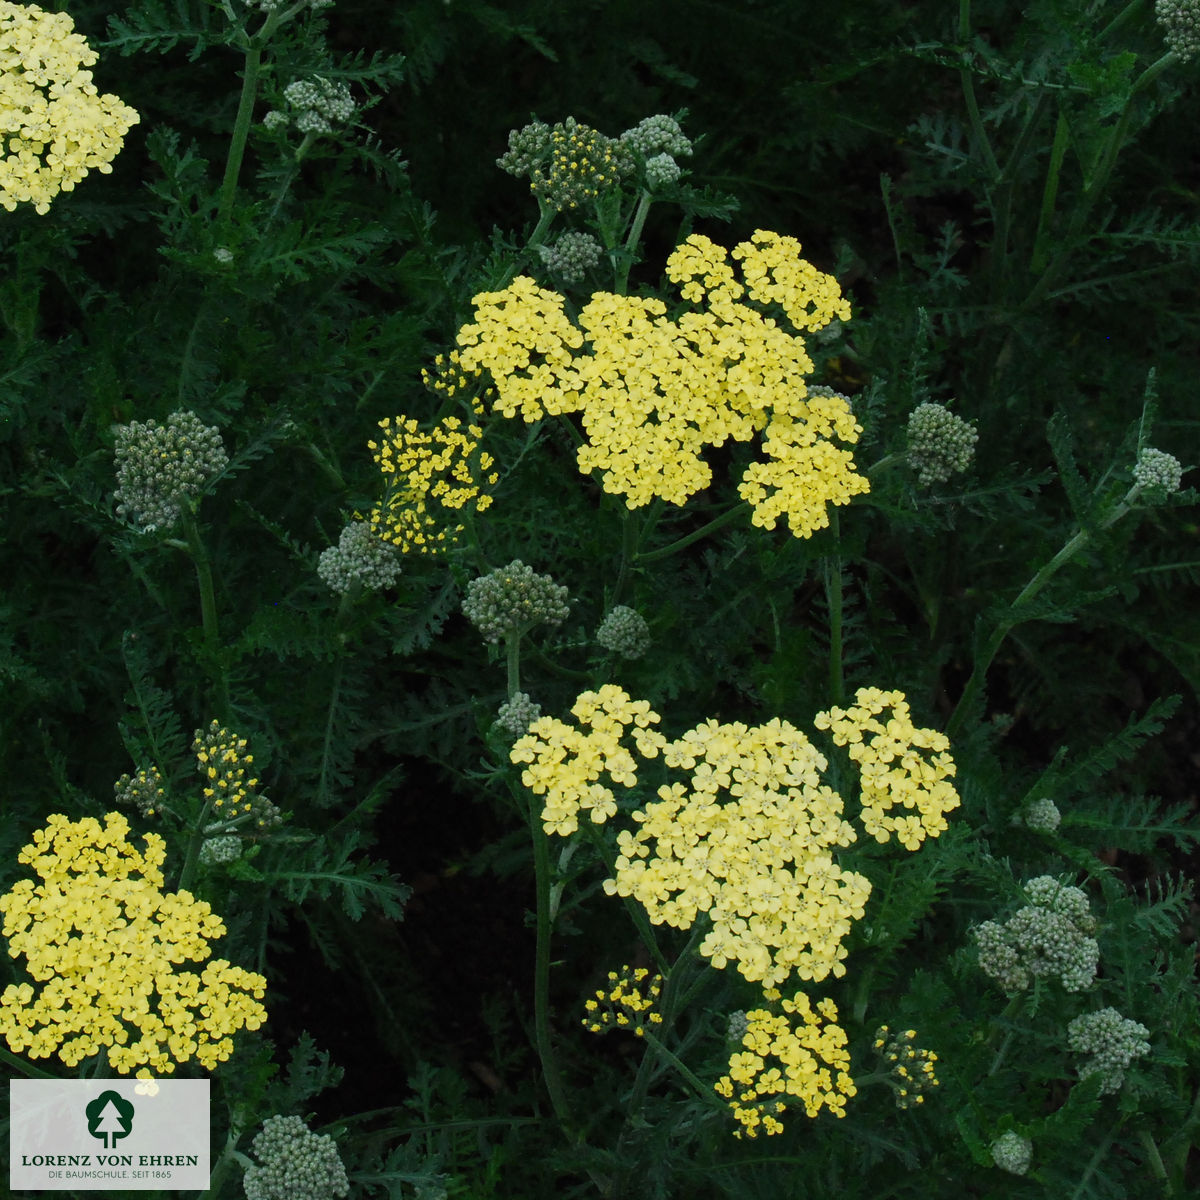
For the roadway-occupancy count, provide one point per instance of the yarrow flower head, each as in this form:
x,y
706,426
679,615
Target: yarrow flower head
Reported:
x,y
1041,815
107,944
318,104
900,766
513,599
294,1163
1111,1041
780,1064
161,468
1180,21
1013,1153
568,163
940,444
566,764
661,171
225,765
626,1002
654,393
517,714
430,478
143,791
1158,473
910,1070
1049,937
220,851
54,124
624,631
360,557
659,134
572,256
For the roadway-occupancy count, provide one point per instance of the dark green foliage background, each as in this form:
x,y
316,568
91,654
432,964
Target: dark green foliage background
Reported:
x,y
844,126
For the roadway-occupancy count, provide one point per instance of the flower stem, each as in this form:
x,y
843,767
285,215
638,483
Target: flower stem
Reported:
x,y
19,1064
241,127
833,598
208,614
716,523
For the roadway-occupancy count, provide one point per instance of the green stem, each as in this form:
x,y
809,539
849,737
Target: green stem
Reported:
x,y
703,1090
1050,194
1157,1167
208,613
833,598
1013,617
968,86
19,1064
716,523
193,850
635,234
1126,14
241,125
512,649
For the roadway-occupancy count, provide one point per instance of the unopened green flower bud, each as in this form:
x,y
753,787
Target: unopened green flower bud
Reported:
x,y
581,165
939,443
1013,1153
1180,21
160,468
512,599
661,171
572,255
625,632
1111,1041
143,791
528,147
1042,816
359,557
1158,472
296,1164
516,714
220,851
318,104
659,134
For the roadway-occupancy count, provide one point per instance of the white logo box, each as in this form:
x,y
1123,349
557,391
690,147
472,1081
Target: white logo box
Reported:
x,y
108,1134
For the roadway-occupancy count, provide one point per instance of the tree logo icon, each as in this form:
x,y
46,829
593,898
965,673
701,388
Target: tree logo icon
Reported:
x,y
109,1117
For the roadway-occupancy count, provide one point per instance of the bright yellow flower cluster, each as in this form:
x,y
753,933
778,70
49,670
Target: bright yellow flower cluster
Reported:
x,y
54,126
759,864
626,1003
106,942
900,766
654,393
808,1062
430,477
566,763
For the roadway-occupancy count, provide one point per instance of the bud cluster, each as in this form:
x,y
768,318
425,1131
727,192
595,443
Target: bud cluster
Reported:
x,y
315,105
296,1164
1013,1153
162,467
517,713
1112,1043
512,599
1042,816
224,763
659,134
143,791
220,851
910,1070
627,1002
1050,937
625,632
939,443
1158,472
1180,21
359,557
572,256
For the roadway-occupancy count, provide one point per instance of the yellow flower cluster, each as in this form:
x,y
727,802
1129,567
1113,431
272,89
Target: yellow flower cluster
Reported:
x,y
223,763
808,1062
759,864
54,126
566,763
429,478
626,1003
654,393
106,942
900,765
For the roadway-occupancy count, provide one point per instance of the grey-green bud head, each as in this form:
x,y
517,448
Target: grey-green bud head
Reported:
x,y
1180,21
359,557
516,714
1013,1153
624,631
512,599
1111,1043
940,444
572,255
294,1164
1158,473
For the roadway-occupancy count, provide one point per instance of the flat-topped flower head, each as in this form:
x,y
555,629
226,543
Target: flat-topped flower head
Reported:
x,y
360,558
1012,1153
294,1164
940,444
107,945
55,126
1180,21
1158,473
511,600
1111,1043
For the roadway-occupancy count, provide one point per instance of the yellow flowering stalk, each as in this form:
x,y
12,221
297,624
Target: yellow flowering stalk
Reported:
x,y
654,393
54,125
626,1003
106,943
900,766
780,1062
430,478
760,863
566,763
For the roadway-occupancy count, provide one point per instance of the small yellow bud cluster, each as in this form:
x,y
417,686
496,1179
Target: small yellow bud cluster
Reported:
x,y
143,791
808,1062
224,763
54,125
566,763
654,393
910,1070
626,1003
106,942
429,477
447,379
900,765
